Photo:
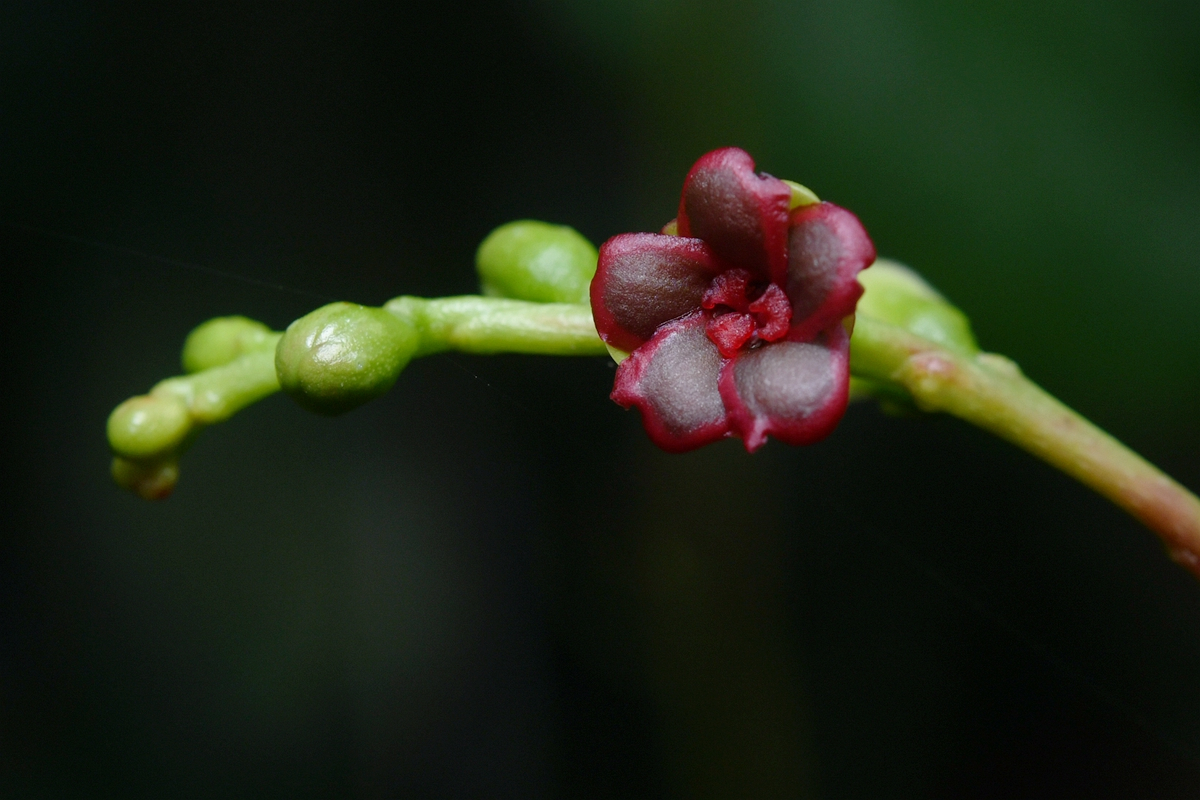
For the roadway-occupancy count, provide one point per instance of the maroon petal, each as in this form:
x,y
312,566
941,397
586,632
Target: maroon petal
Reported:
x,y
672,379
743,216
794,391
645,279
827,248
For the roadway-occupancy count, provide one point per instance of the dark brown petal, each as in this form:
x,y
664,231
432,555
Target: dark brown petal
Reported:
x,y
672,380
743,216
794,391
827,248
645,279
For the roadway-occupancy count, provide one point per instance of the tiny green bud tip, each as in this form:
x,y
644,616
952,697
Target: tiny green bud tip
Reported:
x,y
342,355
801,196
536,261
148,426
617,355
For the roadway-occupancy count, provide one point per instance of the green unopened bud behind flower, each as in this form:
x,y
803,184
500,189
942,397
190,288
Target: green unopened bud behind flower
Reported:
x,y
537,261
221,340
342,355
148,426
898,295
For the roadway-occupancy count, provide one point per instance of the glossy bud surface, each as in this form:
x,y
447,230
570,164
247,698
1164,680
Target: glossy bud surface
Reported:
x,y
537,261
148,425
342,355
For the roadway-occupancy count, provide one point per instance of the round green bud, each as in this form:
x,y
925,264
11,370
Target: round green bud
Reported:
x,y
537,261
342,355
148,426
221,340
150,480
898,295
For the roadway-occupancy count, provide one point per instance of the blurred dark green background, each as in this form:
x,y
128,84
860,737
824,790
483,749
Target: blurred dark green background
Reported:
x,y
490,584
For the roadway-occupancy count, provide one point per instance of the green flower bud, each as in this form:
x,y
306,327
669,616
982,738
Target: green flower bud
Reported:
x,y
342,355
537,261
898,295
150,480
148,426
221,340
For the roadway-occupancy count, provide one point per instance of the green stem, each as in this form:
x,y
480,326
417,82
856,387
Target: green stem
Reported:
x,y
486,325
984,389
217,393
990,391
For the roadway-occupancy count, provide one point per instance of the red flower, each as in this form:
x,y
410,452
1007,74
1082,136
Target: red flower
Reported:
x,y
735,326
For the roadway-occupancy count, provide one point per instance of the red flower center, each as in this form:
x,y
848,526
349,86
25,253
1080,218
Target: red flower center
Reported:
x,y
745,311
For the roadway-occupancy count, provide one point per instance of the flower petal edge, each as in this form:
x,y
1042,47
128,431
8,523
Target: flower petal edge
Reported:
x,y
644,280
827,248
673,381
742,215
794,391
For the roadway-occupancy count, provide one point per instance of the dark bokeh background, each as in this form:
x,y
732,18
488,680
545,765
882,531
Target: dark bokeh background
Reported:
x,y
489,583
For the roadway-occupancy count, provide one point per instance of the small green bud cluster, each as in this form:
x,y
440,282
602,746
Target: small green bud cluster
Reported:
x,y
536,261
342,355
230,360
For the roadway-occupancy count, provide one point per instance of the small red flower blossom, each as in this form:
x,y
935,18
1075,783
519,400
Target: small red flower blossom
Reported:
x,y
735,326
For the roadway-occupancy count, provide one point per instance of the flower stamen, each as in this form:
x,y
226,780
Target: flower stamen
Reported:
x,y
773,313
739,321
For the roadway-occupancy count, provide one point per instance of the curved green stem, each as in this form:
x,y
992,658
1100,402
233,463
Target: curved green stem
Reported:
x,y
147,433
990,391
217,393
